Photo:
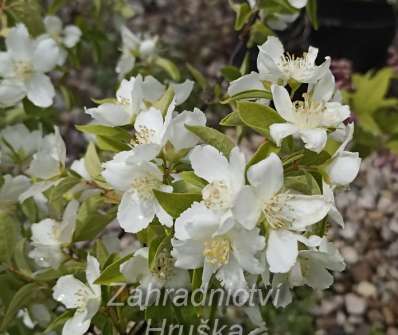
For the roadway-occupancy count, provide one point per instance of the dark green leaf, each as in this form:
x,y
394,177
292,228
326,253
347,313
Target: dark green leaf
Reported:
x,y
176,203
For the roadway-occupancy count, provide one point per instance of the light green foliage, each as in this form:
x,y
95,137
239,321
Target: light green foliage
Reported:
x,y
376,113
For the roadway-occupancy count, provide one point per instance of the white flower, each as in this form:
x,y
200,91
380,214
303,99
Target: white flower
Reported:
x,y
313,266
18,143
12,188
225,178
49,236
279,21
132,173
131,97
23,67
65,38
85,298
178,135
285,213
275,66
134,46
164,274
344,165
49,161
202,240
309,119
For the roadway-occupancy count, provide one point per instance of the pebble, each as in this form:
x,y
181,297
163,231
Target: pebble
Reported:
x,y
355,304
367,289
350,254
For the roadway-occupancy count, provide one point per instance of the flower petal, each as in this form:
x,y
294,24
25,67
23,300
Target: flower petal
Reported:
x,y
266,176
298,3
53,24
45,55
314,139
283,103
247,208
305,210
72,36
11,92
68,290
209,163
18,43
78,324
273,47
110,114
247,82
134,215
279,131
182,91
152,88
282,250
40,90
188,254
180,136
344,168
324,88
197,222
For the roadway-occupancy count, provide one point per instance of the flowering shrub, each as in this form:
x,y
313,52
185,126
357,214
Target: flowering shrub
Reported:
x,y
202,216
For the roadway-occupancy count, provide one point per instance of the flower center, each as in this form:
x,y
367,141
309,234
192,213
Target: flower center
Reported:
x,y
145,185
273,210
23,69
295,66
217,251
216,195
144,135
309,112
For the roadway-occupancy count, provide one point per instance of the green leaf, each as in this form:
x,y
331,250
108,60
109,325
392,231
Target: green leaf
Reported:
x,y
104,131
197,75
164,102
232,120
263,152
393,146
92,161
213,137
28,12
258,117
55,6
312,158
101,252
21,299
69,267
8,237
249,95
30,209
190,177
91,219
59,321
312,12
197,278
243,13
56,195
259,33
169,67
109,144
20,258
156,248
305,184
112,274
230,73
176,203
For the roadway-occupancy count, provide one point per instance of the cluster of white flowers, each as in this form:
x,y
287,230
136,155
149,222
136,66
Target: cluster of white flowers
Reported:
x,y
238,220
26,62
